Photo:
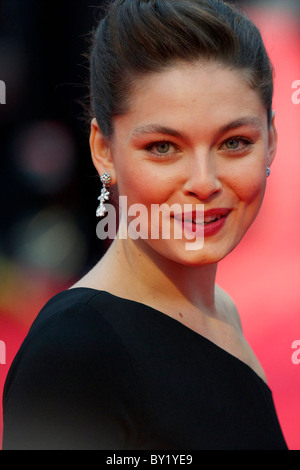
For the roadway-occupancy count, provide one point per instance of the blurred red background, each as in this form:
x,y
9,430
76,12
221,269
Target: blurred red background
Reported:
x,y
262,274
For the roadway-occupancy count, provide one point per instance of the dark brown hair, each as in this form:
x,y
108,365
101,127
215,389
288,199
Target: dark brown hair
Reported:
x,y
140,37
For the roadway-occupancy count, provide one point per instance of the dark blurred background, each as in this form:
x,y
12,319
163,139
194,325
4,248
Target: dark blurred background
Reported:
x,y
48,185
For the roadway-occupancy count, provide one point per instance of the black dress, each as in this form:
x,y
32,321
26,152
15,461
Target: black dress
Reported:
x,y
100,372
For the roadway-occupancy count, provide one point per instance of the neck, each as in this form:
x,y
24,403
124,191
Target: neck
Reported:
x,y
150,275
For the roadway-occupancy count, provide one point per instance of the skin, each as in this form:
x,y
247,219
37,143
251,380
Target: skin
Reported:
x,y
213,150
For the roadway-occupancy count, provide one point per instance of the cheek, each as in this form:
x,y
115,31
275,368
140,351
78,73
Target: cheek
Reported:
x,y
249,193
144,187
251,189
247,179
145,192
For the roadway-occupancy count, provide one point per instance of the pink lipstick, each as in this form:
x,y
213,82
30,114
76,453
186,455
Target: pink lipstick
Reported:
x,y
209,223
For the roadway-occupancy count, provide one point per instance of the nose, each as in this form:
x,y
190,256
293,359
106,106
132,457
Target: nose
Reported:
x,y
202,180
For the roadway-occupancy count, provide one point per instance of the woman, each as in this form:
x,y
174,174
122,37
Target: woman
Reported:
x,y
146,352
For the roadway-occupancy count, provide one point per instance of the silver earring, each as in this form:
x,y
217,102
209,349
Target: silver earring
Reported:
x,y
268,172
105,179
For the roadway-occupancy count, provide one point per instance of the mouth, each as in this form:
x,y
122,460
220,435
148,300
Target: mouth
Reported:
x,y
209,217
214,215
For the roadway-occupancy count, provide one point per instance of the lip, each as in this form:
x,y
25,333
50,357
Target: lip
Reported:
x,y
218,211
196,230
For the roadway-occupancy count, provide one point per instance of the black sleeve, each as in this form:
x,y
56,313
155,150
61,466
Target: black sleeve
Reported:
x,y
71,386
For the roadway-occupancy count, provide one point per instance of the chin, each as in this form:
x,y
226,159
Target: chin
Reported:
x,y
192,256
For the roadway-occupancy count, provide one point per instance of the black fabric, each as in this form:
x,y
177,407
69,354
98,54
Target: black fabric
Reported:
x,y
100,372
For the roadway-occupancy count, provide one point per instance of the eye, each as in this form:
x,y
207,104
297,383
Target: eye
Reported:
x,y
162,148
236,144
232,144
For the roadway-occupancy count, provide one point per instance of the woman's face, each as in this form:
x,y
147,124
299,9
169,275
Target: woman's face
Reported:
x,y
195,134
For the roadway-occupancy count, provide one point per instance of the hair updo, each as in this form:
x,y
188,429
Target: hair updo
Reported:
x,y
140,37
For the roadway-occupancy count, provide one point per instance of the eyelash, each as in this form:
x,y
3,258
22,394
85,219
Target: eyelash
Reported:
x,y
246,144
160,142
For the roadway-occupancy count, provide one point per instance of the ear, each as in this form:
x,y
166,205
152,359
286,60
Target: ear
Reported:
x,y
101,151
272,142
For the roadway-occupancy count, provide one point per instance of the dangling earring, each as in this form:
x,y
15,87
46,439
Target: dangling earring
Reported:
x,y
268,172
105,179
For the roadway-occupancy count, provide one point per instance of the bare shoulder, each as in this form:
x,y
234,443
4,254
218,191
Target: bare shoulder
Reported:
x,y
229,306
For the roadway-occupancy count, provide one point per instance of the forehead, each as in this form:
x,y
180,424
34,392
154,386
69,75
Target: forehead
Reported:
x,y
193,95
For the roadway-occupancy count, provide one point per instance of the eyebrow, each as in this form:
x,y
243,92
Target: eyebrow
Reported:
x,y
156,129
245,121
160,129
